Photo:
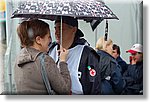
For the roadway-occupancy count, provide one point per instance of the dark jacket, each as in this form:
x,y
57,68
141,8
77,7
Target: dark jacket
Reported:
x,y
89,58
111,78
134,79
122,64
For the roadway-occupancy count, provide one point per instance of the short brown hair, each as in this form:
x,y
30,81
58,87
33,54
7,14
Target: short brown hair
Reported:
x,y
29,30
117,48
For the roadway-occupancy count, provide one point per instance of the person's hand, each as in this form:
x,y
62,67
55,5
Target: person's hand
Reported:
x,y
133,61
63,53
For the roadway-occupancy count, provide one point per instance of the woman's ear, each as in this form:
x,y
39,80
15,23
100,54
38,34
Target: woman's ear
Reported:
x,y
38,40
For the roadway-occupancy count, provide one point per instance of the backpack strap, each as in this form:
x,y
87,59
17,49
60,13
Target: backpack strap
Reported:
x,y
44,75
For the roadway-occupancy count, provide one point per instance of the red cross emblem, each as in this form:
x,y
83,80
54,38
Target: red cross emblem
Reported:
x,y
92,72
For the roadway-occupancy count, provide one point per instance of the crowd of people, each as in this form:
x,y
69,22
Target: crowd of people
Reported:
x,y
69,66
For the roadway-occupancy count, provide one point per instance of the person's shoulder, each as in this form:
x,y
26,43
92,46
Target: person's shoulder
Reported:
x,y
90,50
104,56
46,57
131,66
119,59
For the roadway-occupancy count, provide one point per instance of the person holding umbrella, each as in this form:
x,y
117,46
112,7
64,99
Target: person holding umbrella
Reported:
x,y
82,59
35,71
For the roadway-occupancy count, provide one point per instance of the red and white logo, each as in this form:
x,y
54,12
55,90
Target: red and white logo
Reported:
x,y
92,72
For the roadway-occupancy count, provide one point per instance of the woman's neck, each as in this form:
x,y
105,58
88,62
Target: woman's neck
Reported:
x,y
37,47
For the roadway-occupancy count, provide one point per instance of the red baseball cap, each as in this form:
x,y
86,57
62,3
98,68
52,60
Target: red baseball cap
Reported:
x,y
136,48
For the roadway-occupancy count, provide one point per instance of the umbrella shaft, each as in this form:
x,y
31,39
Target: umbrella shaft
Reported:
x,y
61,32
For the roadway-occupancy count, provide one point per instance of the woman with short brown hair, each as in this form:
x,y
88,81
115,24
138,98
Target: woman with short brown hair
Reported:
x,y
35,38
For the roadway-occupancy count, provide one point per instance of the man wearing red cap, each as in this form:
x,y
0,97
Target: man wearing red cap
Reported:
x,y
136,53
134,73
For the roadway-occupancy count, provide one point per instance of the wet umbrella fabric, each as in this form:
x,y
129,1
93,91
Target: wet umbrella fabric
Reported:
x,y
80,9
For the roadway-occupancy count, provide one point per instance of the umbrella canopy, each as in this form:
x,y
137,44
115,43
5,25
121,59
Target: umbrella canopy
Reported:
x,y
92,11
50,9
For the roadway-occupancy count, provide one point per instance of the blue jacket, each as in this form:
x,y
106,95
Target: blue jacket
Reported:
x,y
111,77
122,64
134,79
